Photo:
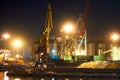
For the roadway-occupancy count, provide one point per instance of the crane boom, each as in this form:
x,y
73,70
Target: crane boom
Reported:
x,y
84,16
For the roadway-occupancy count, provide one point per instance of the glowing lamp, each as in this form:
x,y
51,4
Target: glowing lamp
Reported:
x,y
68,28
115,37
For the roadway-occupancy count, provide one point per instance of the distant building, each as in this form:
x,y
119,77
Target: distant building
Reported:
x,y
96,46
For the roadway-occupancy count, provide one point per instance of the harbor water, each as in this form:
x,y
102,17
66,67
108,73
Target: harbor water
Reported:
x,y
3,76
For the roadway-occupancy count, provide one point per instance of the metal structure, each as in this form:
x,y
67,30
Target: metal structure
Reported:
x,y
47,29
83,23
43,58
70,46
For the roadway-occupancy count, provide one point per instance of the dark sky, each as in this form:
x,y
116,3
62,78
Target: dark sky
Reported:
x,y
26,17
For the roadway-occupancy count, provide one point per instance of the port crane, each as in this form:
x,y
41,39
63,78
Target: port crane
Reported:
x,y
44,55
80,25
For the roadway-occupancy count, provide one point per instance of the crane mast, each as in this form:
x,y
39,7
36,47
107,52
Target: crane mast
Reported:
x,y
47,29
44,55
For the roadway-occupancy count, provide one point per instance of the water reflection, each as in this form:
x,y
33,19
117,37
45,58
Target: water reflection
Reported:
x,y
17,79
4,77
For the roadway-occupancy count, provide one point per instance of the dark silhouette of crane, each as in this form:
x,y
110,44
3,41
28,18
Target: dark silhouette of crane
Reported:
x,y
84,17
82,29
43,58
81,26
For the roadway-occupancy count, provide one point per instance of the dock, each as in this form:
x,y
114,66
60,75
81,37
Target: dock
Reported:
x,y
70,72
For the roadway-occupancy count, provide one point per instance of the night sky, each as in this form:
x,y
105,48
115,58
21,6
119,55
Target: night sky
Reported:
x,y
26,18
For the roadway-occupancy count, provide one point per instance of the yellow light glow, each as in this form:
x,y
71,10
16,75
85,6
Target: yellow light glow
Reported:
x,y
17,43
17,79
6,36
82,52
114,48
66,37
68,28
116,55
77,52
115,37
17,56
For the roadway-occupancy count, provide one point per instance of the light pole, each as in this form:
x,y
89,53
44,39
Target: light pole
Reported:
x,y
68,31
115,53
5,37
115,37
68,28
17,44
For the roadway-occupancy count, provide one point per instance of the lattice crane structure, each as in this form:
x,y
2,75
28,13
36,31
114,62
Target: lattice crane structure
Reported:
x,y
44,56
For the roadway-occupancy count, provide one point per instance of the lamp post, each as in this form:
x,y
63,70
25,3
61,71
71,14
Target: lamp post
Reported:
x,y
115,38
68,28
5,37
17,44
67,31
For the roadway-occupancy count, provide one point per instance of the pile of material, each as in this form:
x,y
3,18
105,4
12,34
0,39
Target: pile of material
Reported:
x,y
100,64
